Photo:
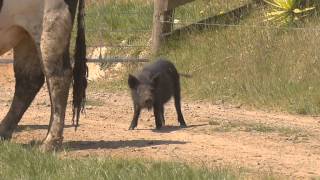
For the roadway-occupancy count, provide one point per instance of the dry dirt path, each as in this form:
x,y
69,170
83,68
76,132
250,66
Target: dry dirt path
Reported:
x,y
217,135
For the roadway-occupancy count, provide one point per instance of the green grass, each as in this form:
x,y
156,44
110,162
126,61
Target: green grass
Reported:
x,y
221,125
129,22
256,66
200,9
250,64
119,85
17,162
114,23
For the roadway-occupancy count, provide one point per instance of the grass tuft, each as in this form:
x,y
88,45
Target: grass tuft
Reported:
x,y
248,63
222,125
25,162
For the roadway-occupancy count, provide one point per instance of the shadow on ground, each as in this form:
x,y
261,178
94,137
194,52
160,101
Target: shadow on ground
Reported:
x,y
85,145
35,127
169,129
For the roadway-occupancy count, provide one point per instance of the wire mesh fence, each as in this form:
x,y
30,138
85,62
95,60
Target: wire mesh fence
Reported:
x,y
118,31
233,55
248,58
121,30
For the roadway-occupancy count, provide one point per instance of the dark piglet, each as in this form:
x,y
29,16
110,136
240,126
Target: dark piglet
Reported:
x,y
152,88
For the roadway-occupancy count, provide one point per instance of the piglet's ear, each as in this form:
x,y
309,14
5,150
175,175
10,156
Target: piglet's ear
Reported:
x,y
133,82
155,79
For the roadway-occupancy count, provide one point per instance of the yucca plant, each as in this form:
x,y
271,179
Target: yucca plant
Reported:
x,y
287,11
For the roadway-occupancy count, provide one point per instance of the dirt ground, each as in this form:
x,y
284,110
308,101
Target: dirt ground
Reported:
x,y
217,135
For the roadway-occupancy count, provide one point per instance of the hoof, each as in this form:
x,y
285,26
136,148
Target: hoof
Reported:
x,y
163,122
183,126
51,144
132,126
5,134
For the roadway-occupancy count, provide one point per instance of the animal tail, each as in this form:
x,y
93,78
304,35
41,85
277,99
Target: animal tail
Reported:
x,y
80,71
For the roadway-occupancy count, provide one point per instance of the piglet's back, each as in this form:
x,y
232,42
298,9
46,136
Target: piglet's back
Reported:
x,y
160,66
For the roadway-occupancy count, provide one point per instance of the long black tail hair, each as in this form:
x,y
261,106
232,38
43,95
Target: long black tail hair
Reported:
x,y
1,3
80,70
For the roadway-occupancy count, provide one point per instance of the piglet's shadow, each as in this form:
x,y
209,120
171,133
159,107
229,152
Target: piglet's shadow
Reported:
x,y
169,129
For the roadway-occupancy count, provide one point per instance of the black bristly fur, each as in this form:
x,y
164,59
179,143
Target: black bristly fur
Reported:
x,y
152,88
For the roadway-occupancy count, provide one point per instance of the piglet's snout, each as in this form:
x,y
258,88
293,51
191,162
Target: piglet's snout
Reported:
x,y
148,102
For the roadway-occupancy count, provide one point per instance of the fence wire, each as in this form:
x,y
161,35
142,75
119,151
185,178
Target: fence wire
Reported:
x,y
185,23
117,33
229,55
119,30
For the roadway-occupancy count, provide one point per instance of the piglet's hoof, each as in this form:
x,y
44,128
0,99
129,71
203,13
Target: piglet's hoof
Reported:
x,y
183,126
163,122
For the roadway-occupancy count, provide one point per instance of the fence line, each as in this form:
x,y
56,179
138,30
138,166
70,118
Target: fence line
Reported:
x,y
118,31
116,46
239,25
6,61
165,6
164,11
117,60
98,37
122,13
98,60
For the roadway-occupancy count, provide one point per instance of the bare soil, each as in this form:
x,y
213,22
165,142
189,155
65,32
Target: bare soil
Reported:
x,y
217,135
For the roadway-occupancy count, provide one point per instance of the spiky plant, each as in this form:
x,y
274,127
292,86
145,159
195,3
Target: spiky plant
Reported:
x,y
287,11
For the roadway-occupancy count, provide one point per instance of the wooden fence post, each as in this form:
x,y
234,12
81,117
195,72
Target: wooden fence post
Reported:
x,y
156,30
162,23
163,20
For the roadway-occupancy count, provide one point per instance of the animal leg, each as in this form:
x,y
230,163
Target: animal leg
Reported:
x,y
29,80
55,39
177,103
157,115
136,115
162,116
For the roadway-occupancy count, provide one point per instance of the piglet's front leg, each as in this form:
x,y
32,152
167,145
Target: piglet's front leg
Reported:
x,y
134,122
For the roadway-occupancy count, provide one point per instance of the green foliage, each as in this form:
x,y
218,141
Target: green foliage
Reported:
x,y
17,162
249,63
115,23
263,67
222,125
287,11
200,9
